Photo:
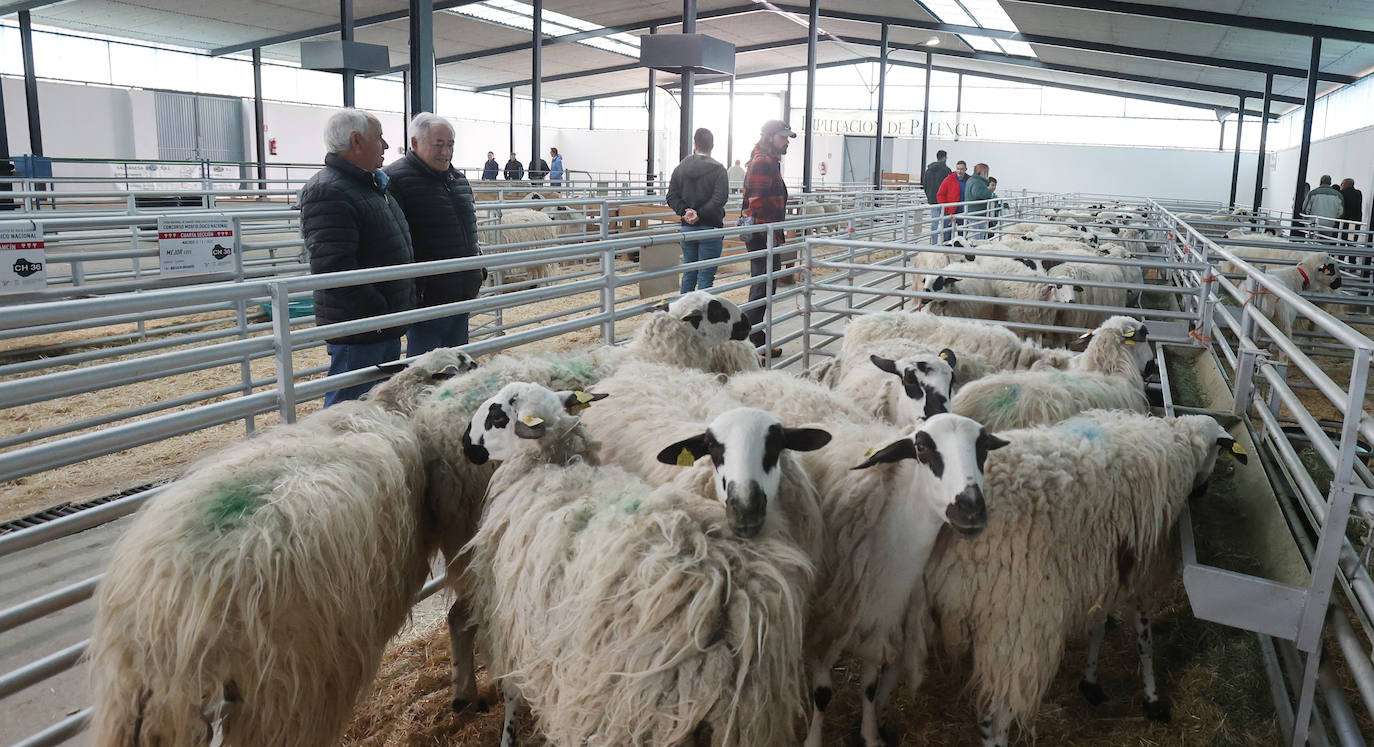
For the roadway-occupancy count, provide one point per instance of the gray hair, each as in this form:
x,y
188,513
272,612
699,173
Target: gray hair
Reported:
x,y
343,124
424,121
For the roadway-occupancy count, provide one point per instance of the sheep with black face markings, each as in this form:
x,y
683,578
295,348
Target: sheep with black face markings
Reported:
x,y
1107,375
270,577
904,382
881,521
626,613
1081,524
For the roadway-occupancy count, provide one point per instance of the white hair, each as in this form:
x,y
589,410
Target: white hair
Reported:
x,y
421,124
343,124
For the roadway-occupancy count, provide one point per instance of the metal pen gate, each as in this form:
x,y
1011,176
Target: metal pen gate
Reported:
x,y
198,128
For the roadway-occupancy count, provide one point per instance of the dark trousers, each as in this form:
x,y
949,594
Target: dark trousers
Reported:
x,y
445,332
351,357
759,266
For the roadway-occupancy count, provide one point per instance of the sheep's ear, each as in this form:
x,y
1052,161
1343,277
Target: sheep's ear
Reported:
x,y
990,442
1078,288
804,439
1130,336
447,372
694,319
1050,264
660,306
1085,335
393,367
530,426
576,402
949,357
684,453
970,257
1230,446
894,452
885,364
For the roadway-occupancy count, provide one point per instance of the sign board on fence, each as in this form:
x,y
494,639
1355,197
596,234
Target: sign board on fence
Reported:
x,y
194,245
23,263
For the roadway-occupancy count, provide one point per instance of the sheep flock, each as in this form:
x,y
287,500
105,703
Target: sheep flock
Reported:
x,y
661,543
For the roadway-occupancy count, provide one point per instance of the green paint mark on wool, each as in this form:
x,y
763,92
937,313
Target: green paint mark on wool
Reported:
x,y
484,389
232,504
1007,399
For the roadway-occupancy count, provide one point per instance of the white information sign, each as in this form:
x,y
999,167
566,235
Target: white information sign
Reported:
x,y
23,263
194,245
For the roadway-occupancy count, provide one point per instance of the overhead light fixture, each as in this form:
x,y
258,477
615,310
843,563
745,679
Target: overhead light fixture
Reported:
x,y
987,14
933,41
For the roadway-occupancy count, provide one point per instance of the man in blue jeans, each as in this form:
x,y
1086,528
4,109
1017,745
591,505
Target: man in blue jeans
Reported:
x,y
350,221
697,191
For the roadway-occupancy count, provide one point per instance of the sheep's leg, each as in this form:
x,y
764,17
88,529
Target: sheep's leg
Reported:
x,y
461,633
1088,685
887,682
995,726
512,697
1156,708
868,728
821,693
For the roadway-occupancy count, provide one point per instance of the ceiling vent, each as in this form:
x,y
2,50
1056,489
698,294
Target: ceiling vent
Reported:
x,y
687,53
337,56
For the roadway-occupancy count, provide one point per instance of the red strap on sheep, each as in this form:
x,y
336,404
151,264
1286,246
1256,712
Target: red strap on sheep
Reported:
x,y
1305,281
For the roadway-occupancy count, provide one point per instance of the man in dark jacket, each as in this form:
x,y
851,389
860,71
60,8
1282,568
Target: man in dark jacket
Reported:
x,y
697,191
491,168
539,168
515,171
439,207
931,179
350,222
1354,208
765,201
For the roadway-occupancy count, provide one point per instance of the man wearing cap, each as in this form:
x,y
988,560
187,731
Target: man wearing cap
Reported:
x,y
765,201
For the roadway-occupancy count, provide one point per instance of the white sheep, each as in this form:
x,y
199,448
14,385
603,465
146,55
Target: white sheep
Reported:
x,y
1080,524
626,613
1316,273
269,577
524,226
998,346
904,382
334,510
882,518
1034,287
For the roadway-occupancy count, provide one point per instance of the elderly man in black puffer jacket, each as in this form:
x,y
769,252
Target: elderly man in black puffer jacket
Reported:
x,y
349,222
441,211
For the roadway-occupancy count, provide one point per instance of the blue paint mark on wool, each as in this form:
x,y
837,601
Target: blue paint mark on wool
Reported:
x,y
1082,428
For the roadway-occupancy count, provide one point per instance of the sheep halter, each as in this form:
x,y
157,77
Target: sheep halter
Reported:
x,y
1305,281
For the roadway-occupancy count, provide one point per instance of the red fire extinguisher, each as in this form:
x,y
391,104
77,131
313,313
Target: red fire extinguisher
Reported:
x,y
272,146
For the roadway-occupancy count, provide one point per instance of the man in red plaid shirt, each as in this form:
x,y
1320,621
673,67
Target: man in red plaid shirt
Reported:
x,y
765,200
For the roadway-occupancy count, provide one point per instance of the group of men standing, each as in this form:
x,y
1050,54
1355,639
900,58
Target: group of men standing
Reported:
x,y
700,187
1332,207
944,187
356,215
515,171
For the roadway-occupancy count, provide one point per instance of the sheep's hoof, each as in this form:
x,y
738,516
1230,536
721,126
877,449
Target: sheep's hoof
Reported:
x,y
1159,710
478,705
1094,693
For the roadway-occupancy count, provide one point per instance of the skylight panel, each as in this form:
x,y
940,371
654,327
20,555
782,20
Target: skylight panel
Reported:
x,y
518,15
987,14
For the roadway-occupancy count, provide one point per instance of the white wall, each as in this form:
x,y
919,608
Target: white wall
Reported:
x,y
1349,155
78,121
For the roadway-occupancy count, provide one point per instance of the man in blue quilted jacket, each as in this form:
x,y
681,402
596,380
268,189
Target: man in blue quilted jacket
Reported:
x,y
350,222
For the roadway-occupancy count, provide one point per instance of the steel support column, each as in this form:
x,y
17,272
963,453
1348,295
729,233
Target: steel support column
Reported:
x,y
882,91
925,116
1235,163
259,124
1264,134
787,101
422,77
1307,111
512,120
652,95
346,34
591,114
958,102
730,126
536,81
407,113
689,81
30,84
809,146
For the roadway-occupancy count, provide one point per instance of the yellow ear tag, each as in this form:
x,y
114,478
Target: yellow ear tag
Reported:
x,y
944,356
1237,449
871,451
582,397
584,401
685,459
1129,337
531,420
1085,335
